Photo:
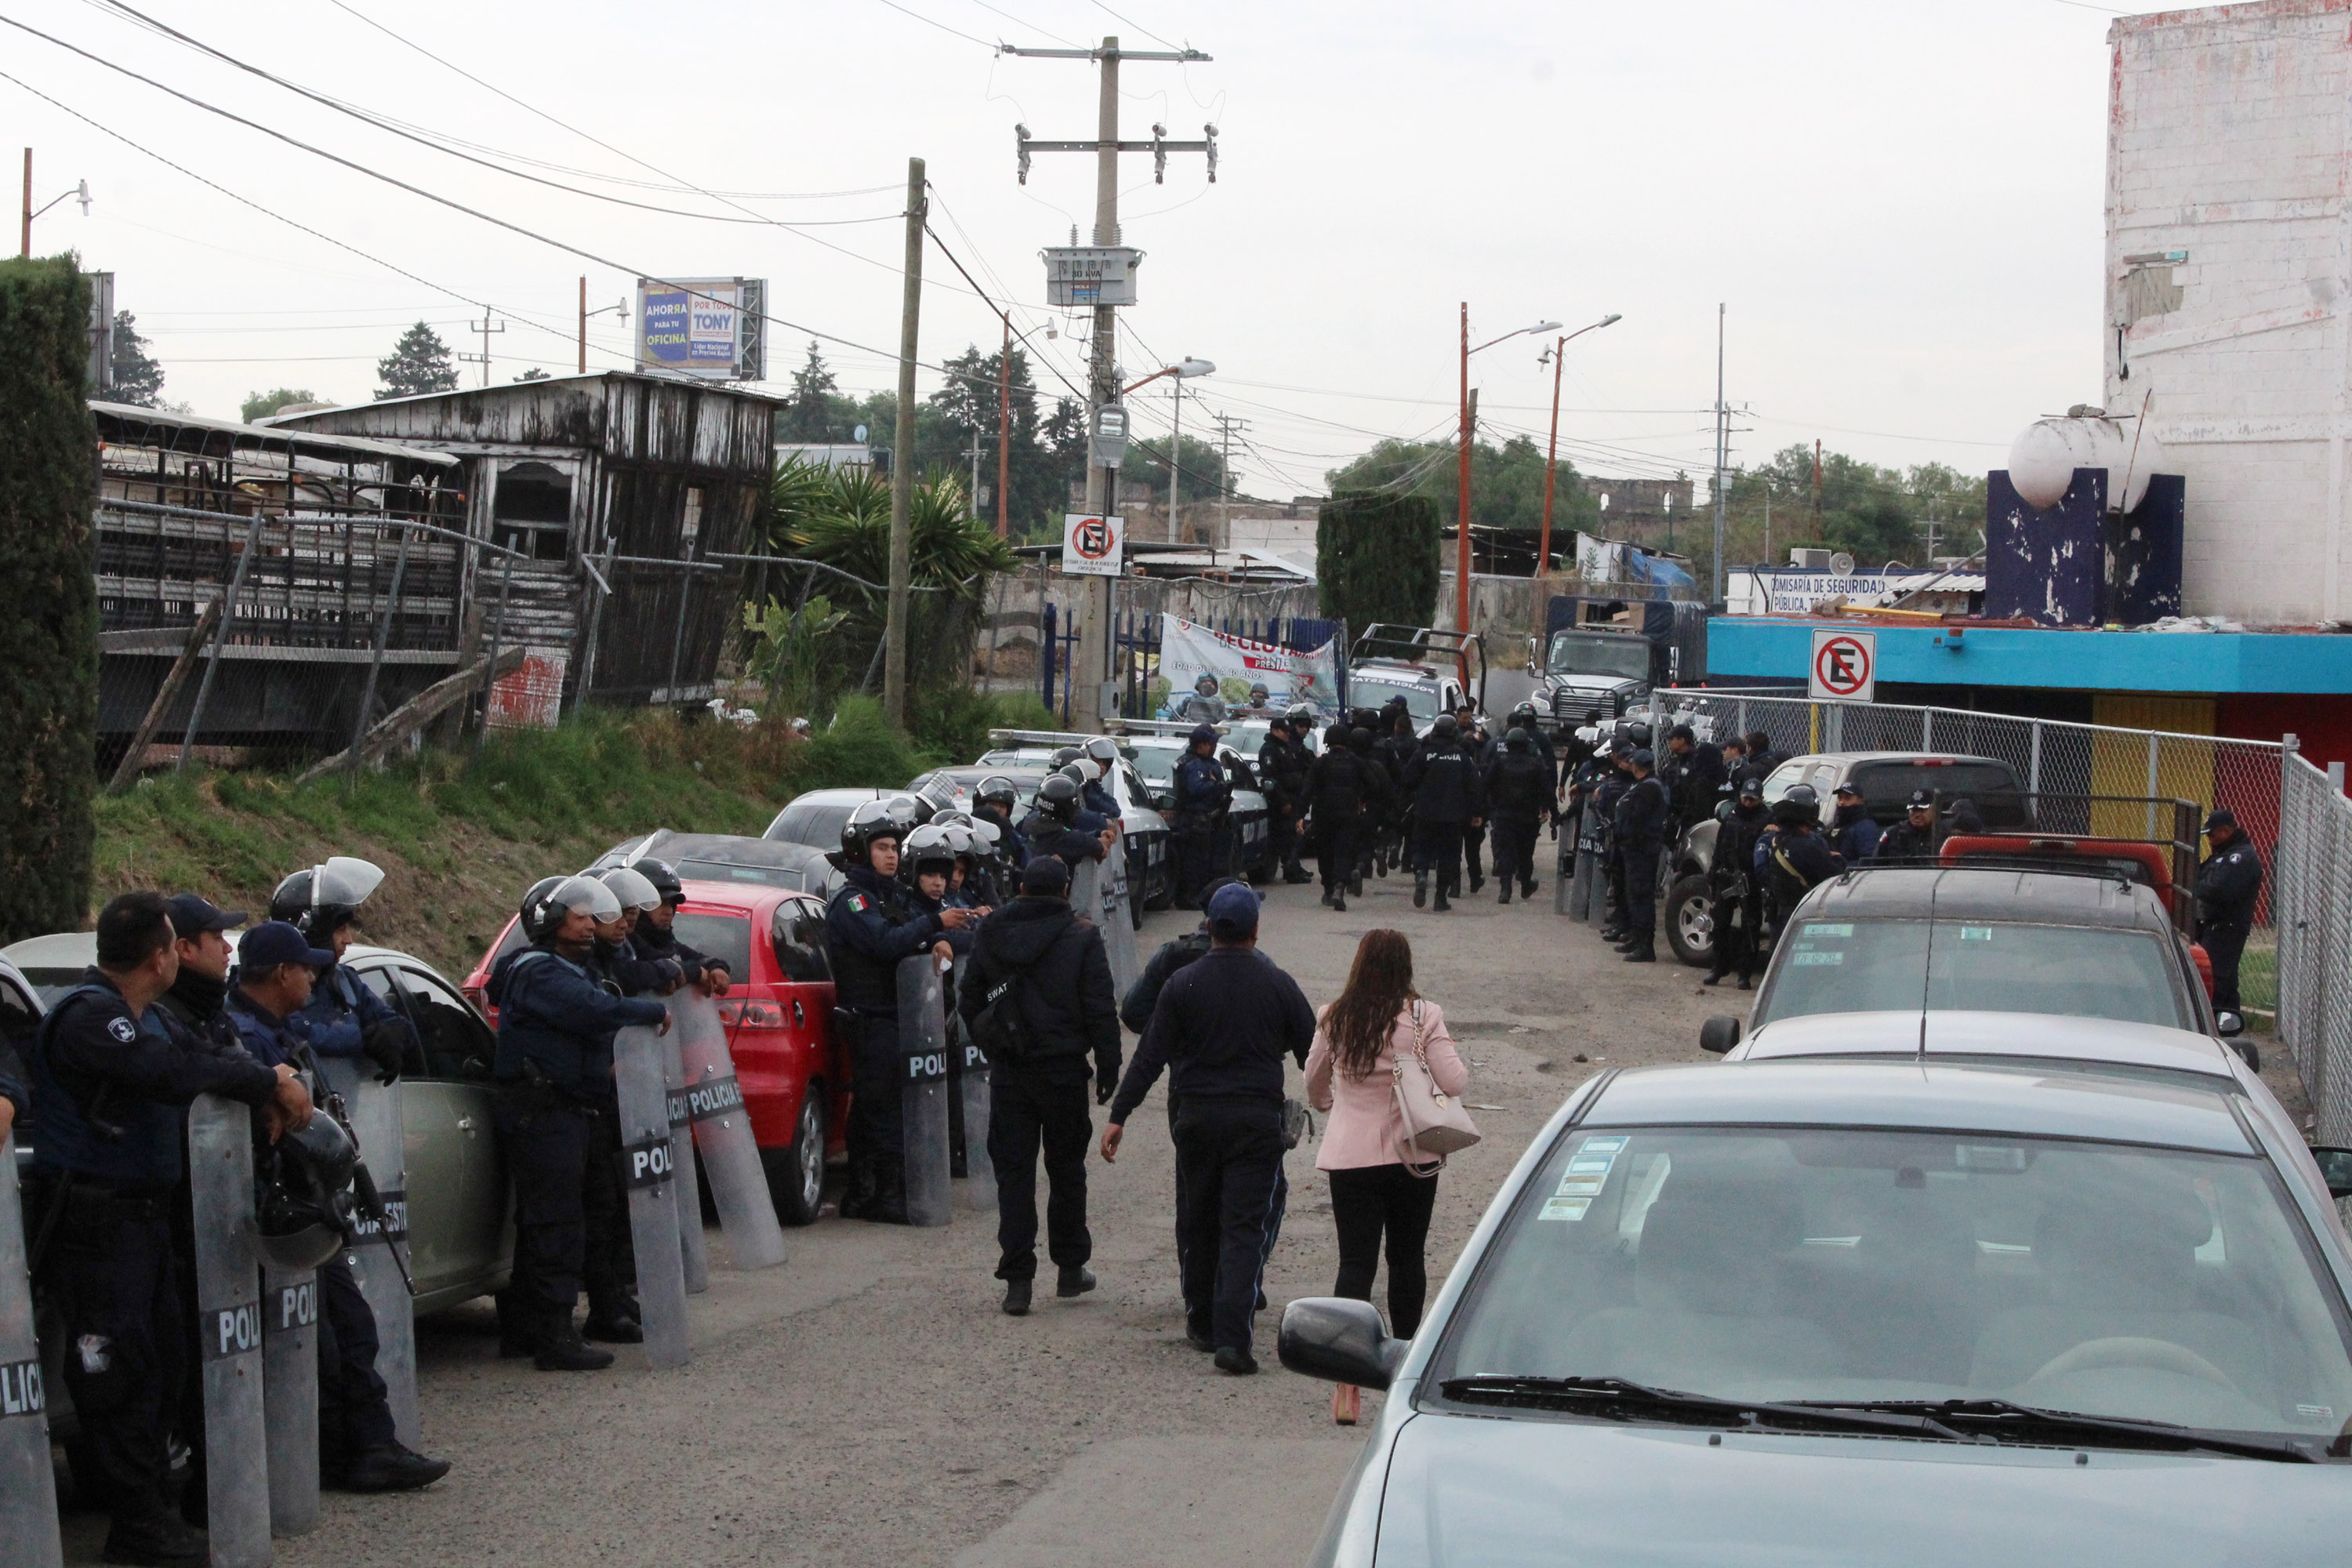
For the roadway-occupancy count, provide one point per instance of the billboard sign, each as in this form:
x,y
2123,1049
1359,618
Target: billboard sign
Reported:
x,y
708,327
1188,651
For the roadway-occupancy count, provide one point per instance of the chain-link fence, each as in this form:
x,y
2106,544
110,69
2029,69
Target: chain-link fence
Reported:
x,y
2125,769
2312,875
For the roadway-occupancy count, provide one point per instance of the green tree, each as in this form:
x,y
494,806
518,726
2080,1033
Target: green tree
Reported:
x,y
816,410
534,373
1376,558
1200,469
131,374
967,408
48,629
262,404
418,362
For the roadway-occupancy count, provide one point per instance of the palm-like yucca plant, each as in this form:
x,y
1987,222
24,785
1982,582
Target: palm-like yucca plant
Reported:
x,y
847,525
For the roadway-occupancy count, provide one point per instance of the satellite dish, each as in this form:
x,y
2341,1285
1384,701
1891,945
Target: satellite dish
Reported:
x,y
1842,564
858,434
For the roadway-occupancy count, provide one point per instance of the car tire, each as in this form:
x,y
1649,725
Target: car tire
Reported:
x,y
796,1173
1690,921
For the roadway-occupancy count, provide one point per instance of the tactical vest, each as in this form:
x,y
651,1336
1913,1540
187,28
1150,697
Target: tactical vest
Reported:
x,y
65,1133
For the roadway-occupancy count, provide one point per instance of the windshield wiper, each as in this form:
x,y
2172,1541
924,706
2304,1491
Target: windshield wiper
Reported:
x,y
2006,1421
1622,1397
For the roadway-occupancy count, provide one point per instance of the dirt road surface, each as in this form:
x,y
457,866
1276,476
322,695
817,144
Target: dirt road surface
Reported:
x,y
867,1406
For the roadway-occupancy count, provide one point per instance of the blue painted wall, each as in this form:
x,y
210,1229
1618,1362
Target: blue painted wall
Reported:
x,y
1753,647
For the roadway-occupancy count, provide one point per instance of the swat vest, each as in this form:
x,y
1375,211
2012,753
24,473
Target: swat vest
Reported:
x,y
65,1134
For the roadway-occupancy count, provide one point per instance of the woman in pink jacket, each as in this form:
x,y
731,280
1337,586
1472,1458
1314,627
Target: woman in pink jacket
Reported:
x,y
1350,1075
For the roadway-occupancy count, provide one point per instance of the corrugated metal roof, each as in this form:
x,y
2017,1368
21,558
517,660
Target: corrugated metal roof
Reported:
x,y
273,436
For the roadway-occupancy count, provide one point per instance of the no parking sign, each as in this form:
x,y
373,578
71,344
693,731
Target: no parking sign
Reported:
x,y
1845,666
1092,545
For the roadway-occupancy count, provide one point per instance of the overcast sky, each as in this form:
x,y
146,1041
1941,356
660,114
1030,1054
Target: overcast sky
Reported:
x,y
1900,203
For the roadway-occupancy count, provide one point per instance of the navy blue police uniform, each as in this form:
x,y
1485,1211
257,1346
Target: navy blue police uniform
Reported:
x,y
1201,793
869,930
2229,884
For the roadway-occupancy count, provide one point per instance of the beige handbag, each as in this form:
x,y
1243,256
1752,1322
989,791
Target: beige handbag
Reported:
x,y
1433,1122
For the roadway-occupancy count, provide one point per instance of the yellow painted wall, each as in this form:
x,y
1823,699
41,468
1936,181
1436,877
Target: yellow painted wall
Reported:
x,y
2184,769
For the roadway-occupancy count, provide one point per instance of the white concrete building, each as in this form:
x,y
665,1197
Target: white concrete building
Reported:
x,y
2229,290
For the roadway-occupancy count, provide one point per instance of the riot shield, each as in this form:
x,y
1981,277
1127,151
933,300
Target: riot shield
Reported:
x,y
229,1331
1118,922
923,1090
646,1170
28,1487
1578,889
379,1250
722,1134
290,1397
975,1086
692,1245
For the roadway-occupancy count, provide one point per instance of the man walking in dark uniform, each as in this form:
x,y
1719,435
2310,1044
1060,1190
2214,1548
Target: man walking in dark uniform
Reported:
x,y
555,1027
1347,790
1640,826
2229,884
868,929
112,1080
1223,1025
1282,766
1447,798
1738,906
1046,968
1518,786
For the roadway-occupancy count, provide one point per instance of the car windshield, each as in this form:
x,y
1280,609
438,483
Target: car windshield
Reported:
x,y
1373,691
1842,1265
727,939
1156,761
1594,653
812,822
789,878
1876,966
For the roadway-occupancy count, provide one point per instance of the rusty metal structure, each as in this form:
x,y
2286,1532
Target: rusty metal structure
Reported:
x,y
342,565
615,503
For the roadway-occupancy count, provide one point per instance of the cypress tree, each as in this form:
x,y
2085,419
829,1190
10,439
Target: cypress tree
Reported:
x,y
48,619
1376,558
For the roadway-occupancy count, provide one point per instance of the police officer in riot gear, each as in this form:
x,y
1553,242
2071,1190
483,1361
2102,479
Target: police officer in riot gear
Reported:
x,y
656,933
1481,749
111,1080
1059,824
1640,826
556,1022
609,1257
1346,792
869,929
2229,883
1615,780
1447,798
994,801
1697,782
1518,786
1202,705
1523,717
1282,767
1738,914
1790,856
1201,793
343,1018
926,865
277,973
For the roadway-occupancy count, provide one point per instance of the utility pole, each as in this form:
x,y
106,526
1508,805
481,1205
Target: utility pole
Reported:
x,y
486,326
1094,656
25,239
1003,428
1176,457
972,501
1722,422
1461,505
902,456
1227,426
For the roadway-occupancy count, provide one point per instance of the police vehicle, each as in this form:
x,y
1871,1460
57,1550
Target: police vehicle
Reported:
x,y
1608,655
1159,745
1433,670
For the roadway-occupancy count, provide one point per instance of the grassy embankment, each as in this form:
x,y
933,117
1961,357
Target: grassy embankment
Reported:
x,y
461,835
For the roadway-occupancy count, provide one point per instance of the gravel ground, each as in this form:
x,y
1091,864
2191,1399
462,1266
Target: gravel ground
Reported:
x,y
867,1405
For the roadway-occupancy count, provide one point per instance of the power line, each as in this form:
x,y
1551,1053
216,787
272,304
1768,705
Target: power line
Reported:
x,y
1137,25
942,26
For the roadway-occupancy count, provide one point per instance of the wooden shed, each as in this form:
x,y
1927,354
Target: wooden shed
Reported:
x,y
617,490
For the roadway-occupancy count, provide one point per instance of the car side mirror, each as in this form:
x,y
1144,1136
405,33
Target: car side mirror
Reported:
x,y
1163,800
1344,1341
2335,1168
2229,1025
1719,1034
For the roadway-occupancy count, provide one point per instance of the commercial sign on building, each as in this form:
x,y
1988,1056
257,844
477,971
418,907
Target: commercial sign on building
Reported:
x,y
711,327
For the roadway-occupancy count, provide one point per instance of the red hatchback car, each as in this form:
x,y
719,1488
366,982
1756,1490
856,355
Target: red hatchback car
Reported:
x,y
779,1018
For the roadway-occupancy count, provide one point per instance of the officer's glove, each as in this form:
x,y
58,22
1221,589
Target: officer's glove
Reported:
x,y
384,1042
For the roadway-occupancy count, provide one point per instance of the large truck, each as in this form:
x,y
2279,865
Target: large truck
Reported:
x,y
1609,654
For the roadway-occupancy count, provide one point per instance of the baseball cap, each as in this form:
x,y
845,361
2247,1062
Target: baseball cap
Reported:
x,y
273,943
1921,797
192,913
1847,788
2220,819
1751,788
1233,911
1045,874
1645,758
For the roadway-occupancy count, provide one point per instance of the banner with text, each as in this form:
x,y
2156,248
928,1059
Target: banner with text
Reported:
x,y
1189,650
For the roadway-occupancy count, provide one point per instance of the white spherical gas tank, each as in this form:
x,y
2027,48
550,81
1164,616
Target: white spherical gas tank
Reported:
x,y
2043,458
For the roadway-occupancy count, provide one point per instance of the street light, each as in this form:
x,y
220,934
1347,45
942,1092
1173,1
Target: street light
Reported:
x,y
1462,522
1552,453
80,193
1183,371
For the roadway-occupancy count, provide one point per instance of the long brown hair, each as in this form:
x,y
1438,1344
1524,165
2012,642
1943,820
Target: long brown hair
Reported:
x,y
1380,983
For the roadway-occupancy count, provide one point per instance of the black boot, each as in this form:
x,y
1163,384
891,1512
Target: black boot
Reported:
x,y
1340,905
1715,977
1505,897
1477,882
1441,903
1075,1280
1421,889
619,1326
1528,888
561,1349
1644,949
1743,983
858,1197
1017,1297
391,1469
889,1194
154,1537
